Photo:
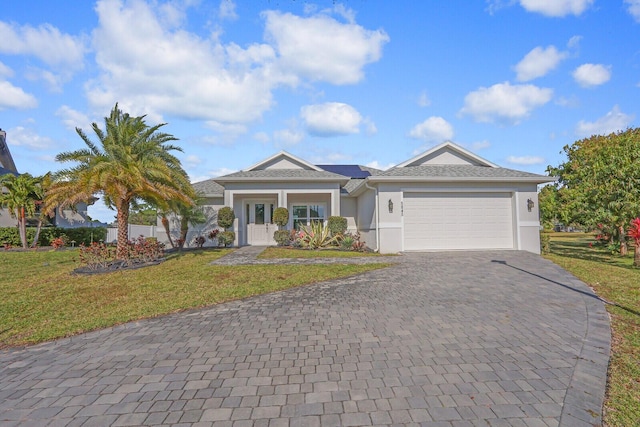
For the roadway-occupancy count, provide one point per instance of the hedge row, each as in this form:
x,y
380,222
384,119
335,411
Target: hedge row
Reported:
x,y
11,235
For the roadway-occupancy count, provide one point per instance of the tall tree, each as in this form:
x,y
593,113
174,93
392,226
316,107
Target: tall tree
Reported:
x,y
599,183
22,196
130,161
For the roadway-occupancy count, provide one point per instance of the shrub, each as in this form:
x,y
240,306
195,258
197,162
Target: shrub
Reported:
x,y
337,225
545,243
281,217
347,242
316,236
10,236
226,238
59,242
97,256
213,234
226,216
282,237
199,241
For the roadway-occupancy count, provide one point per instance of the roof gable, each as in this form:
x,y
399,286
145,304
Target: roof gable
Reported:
x,y
446,154
282,160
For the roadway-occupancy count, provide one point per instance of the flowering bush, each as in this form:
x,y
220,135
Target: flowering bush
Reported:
x,y
634,233
99,256
199,241
59,242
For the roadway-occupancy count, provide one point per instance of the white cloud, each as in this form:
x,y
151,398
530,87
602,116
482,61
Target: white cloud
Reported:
x,y
331,119
433,130
73,119
14,97
320,48
634,8
261,137
538,63
5,71
556,8
157,69
588,75
144,63
24,137
377,165
574,42
227,10
287,137
45,42
525,160
615,120
505,102
423,100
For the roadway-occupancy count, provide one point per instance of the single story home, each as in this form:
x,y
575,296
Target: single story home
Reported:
x,y
446,198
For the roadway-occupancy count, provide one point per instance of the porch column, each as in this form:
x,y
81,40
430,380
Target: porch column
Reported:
x,y
335,202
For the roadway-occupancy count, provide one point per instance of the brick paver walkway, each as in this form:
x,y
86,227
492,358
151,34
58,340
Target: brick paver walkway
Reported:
x,y
441,339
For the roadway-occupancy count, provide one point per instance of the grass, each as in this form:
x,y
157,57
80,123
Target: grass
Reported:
x,y
274,252
42,299
616,280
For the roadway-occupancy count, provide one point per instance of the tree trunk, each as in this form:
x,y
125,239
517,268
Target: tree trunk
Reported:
x,y
624,248
37,236
123,230
636,255
22,226
165,224
184,229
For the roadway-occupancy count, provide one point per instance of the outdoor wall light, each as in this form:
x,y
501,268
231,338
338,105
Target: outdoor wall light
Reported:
x,y
390,206
530,204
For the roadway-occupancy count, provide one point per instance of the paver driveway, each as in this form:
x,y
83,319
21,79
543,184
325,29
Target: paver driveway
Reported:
x,y
446,339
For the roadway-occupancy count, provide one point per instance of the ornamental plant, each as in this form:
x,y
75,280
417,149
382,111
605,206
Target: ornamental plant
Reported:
x,y
226,216
281,216
337,225
316,236
634,233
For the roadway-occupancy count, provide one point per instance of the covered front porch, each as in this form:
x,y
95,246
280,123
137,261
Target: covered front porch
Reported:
x,y
254,211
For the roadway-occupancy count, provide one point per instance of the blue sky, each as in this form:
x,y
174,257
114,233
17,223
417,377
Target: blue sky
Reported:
x,y
371,82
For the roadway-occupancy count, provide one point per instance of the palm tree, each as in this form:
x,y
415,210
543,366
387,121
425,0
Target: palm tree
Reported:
x,y
22,196
130,161
189,215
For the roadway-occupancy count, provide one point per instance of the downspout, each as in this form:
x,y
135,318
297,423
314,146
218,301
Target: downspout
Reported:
x,y
366,185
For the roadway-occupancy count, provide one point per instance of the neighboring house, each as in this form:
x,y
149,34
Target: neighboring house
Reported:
x,y
446,198
66,218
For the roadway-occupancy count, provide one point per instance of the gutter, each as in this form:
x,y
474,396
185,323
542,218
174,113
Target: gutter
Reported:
x,y
366,184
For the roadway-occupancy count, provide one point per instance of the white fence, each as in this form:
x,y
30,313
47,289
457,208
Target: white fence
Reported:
x,y
135,231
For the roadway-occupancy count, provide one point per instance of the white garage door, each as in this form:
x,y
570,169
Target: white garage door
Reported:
x,y
440,221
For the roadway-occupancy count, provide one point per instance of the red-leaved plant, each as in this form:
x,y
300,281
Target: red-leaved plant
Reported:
x,y
634,233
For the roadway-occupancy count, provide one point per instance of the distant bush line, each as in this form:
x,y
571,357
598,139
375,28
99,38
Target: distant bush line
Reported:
x,y
9,235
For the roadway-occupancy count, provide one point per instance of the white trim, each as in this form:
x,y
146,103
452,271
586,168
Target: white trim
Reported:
x,y
529,223
452,146
283,154
389,225
458,190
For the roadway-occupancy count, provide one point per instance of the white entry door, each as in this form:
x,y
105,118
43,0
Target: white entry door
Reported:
x,y
260,229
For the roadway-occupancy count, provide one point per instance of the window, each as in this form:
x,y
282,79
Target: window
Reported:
x,y
305,214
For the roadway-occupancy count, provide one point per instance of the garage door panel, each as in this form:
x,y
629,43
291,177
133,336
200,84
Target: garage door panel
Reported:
x,y
443,221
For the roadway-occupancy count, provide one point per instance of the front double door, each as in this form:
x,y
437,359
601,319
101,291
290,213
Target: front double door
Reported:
x,y
260,228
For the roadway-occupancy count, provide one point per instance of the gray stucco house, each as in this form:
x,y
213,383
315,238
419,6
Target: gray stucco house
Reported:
x,y
446,198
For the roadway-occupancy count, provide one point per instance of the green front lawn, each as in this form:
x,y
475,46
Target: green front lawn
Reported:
x,y
42,300
613,278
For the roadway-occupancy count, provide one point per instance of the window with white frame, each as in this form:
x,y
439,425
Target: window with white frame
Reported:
x,y
304,214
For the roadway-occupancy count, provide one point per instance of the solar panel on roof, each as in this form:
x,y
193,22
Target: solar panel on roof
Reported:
x,y
352,171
